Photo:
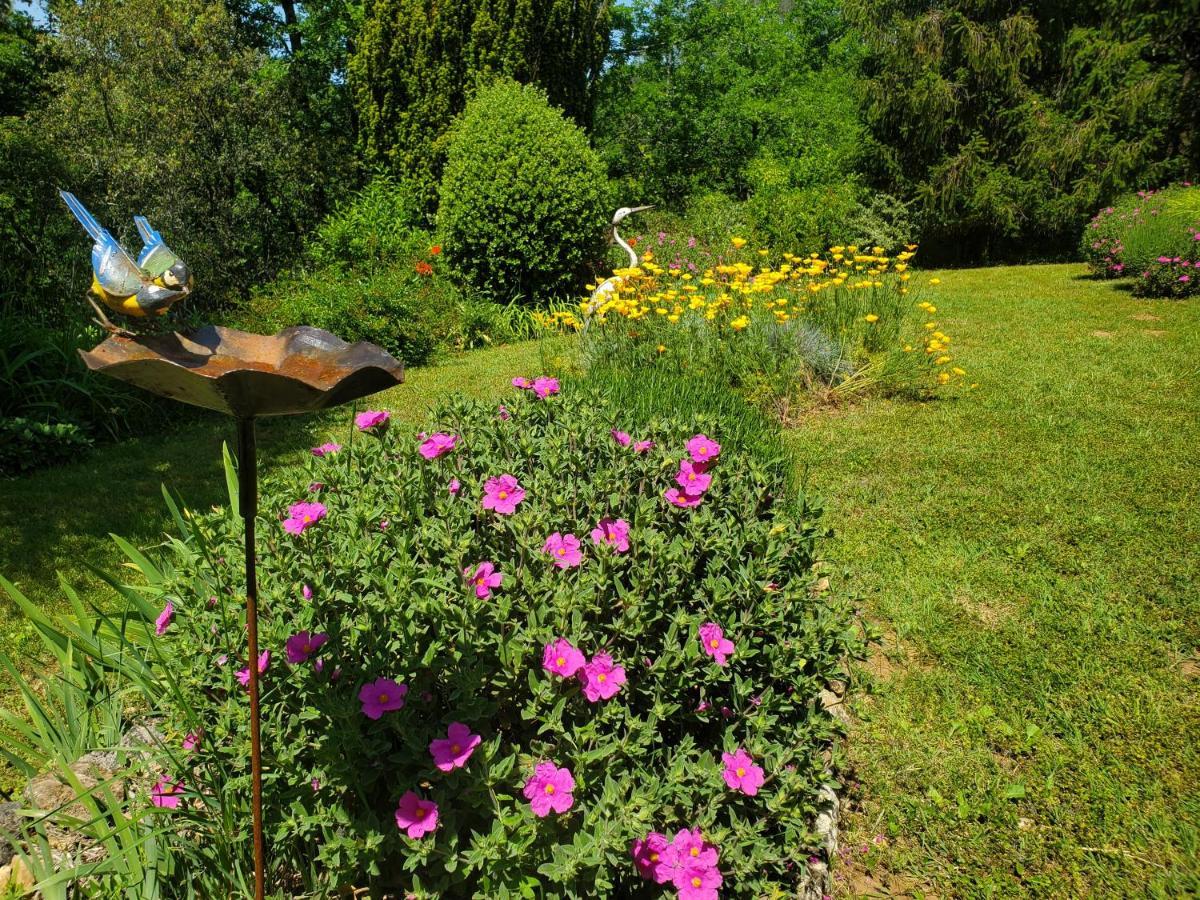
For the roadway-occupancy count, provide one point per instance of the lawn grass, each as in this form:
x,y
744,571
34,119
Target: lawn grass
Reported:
x,y
1028,551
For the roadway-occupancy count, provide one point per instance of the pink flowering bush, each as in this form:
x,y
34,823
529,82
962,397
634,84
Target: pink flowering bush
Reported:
x,y
452,707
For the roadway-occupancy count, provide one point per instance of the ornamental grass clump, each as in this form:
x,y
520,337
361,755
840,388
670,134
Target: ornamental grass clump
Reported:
x,y
782,329
517,688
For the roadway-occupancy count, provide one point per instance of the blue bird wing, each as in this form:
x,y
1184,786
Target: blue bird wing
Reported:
x,y
113,268
156,257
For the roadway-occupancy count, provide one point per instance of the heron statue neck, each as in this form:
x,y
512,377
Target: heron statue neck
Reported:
x,y
633,260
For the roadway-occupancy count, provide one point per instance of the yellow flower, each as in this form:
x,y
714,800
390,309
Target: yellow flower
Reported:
x,y
943,377
908,348
738,242
941,360
935,281
871,317
959,372
662,348
739,323
762,252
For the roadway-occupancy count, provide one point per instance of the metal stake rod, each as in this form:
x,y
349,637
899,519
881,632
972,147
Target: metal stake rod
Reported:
x,y
248,507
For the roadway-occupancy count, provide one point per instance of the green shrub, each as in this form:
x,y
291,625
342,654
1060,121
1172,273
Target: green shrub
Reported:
x,y
524,199
410,309
375,227
26,445
381,573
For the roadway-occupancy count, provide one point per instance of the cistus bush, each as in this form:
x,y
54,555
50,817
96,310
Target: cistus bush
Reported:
x,y
523,199
1149,236
503,653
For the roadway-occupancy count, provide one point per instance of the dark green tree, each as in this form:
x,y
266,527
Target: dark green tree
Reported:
x,y
1009,122
416,62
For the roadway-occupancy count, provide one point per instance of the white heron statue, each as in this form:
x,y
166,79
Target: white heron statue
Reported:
x,y
610,285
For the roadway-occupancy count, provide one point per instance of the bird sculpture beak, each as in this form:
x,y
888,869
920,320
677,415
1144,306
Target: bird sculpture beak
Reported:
x,y
642,208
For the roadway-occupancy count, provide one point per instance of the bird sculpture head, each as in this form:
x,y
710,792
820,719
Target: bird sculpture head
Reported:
x,y
625,211
178,276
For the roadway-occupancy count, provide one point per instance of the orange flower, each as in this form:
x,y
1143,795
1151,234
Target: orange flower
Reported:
x,y
435,249
632,242
424,268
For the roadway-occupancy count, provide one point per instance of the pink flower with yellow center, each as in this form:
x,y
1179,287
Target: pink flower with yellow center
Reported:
x,y
502,494
703,449
380,696
676,497
483,579
562,658
601,679
549,790
302,516
327,449
415,816
163,622
302,645
564,549
621,437
692,478
264,662
648,857
741,773
545,387
453,751
438,444
714,642
614,533
166,794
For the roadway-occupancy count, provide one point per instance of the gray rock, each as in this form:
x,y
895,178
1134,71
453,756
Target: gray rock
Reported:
x,y
54,795
10,825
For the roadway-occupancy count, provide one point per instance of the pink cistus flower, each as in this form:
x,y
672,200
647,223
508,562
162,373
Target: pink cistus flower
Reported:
x,y
562,658
302,645
621,437
163,622
372,420
643,446
453,751
454,487
166,793
302,516
614,533
438,444
503,413
692,478
380,696
714,642
502,494
741,773
192,740
327,449
648,855
483,579
564,550
676,497
545,387
601,679
703,449
697,882
415,816
523,384
264,662
306,592
549,790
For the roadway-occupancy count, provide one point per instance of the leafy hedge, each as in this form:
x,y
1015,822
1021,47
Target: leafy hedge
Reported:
x,y
407,585
524,198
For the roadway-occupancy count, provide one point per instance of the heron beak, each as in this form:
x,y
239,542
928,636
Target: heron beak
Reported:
x,y
641,208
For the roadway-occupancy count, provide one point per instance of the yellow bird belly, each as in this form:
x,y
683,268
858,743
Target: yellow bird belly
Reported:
x,y
127,306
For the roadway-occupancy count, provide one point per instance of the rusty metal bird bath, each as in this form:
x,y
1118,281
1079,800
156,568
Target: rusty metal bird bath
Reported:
x,y
249,376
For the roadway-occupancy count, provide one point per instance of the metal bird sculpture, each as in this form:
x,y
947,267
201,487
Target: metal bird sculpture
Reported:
x,y
147,287
613,283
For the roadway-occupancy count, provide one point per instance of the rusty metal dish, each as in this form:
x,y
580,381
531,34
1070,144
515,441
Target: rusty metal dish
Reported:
x,y
298,370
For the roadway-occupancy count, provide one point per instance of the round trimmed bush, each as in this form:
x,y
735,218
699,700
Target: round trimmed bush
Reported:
x,y
524,198
419,587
